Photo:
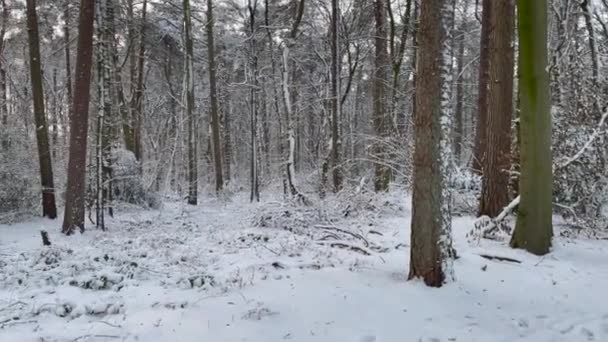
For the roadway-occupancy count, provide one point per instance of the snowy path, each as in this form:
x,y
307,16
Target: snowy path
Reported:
x,y
206,274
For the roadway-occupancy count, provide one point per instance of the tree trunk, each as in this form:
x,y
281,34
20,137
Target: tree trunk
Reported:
x,y
336,103
594,53
215,119
534,228
253,103
49,208
431,251
68,64
458,114
75,192
3,81
137,102
189,91
381,117
480,148
497,163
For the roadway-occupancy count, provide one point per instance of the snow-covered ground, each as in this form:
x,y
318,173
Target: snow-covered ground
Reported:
x,y
228,271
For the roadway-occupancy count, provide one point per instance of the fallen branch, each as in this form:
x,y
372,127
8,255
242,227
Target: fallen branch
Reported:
x,y
348,247
485,226
340,230
79,338
499,258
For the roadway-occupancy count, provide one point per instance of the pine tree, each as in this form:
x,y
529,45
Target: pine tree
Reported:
x,y
75,191
497,162
215,115
49,208
431,251
479,151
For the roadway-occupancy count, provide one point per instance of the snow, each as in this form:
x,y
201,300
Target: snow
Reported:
x,y
215,273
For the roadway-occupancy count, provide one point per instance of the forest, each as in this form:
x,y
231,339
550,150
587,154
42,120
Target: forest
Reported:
x,y
308,170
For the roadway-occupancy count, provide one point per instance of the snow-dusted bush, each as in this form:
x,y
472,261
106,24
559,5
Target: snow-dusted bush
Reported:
x,y
581,166
128,184
19,187
466,187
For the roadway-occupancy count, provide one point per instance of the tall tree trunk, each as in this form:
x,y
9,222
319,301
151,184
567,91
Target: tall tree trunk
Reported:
x,y
68,66
215,116
75,192
4,109
336,103
190,117
590,31
253,103
49,209
497,163
534,228
480,147
381,117
431,251
137,102
397,55
458,114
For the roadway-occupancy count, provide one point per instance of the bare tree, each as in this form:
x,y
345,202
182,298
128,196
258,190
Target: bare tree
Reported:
x,y
336,103
189,103
137,102
215,116
381,117
49,209
75,196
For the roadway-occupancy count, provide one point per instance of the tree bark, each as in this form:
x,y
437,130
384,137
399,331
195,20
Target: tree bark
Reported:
x,y
431,251
137,102
190,117
497,163
3,81
381,117
68,64
458,114
75,192
49,209
480,146
534,228
253,103
336,103
215,119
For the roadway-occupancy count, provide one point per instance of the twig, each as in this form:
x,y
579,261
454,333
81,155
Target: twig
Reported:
x,y
270,250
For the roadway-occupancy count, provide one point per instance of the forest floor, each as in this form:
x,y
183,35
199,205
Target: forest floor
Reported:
x,y
235,271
